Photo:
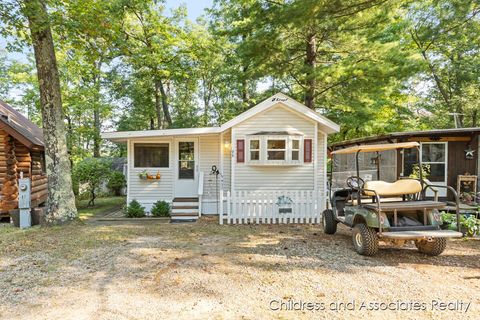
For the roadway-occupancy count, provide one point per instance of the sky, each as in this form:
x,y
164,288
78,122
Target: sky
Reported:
x,y
195,8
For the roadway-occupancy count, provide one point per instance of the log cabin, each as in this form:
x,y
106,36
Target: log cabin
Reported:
x,y
21,151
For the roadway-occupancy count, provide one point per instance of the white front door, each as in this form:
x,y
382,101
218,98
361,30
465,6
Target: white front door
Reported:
x,y
186,167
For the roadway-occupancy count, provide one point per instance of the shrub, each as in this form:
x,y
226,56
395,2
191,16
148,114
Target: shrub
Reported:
x,y
116,182
161,209
92,172
470,225
134,210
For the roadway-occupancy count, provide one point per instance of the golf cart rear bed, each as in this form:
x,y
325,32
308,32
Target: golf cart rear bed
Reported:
x,y
408,235
406,205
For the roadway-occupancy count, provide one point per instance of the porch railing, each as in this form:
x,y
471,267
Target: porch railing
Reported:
x,y
271,207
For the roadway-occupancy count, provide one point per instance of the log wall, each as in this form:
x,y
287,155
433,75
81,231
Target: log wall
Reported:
x,y
16,158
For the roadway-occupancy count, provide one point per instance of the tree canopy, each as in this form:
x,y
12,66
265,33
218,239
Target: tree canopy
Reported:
x,y
372,66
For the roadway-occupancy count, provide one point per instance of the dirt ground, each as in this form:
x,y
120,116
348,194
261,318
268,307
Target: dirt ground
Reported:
x,y
207,271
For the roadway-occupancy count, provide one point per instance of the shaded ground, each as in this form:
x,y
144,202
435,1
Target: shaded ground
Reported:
x,y
104,207
204,270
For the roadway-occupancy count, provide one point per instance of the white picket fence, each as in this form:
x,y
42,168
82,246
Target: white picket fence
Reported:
x,y
271,207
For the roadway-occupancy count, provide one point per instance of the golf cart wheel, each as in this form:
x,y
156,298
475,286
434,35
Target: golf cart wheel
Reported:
x,y
365,240
329,222
433,248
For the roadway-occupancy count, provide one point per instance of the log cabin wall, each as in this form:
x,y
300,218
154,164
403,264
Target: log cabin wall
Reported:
x,y
9,199
16,158
3,164
39,178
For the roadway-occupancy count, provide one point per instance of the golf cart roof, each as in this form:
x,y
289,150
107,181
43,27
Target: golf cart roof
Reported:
x,y
377,147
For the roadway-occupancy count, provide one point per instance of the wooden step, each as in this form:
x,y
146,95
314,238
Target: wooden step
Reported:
x,y
183,214
184,207
185,200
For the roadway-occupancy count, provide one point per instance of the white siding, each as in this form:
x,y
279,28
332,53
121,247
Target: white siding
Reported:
x,y
322,164
209,156
227,160
299,177
148,192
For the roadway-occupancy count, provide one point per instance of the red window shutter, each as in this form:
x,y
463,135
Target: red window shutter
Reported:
x,y
307,150
240,150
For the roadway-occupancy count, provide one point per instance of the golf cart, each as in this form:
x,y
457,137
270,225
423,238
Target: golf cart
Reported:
x,y
396,212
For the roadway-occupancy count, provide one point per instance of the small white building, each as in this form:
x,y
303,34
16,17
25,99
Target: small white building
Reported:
x,y
271,163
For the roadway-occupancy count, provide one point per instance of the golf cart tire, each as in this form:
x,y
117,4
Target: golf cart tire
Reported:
x,y
433,248
329,222
365,240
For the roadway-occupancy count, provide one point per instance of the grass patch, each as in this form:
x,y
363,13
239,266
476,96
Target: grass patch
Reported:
x,y
102,206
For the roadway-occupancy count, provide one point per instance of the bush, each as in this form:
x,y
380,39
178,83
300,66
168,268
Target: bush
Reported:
x,y
116,182
91,172
134,210
469,225
161,209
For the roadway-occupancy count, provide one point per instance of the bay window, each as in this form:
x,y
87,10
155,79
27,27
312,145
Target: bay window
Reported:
x,y
275,149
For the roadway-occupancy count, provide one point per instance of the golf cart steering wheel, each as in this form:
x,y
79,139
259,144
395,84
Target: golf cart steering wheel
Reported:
x,y
355,182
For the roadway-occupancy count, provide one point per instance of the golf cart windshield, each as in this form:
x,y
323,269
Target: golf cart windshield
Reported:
x,y
375,162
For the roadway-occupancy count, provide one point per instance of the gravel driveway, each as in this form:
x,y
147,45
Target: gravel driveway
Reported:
x,y
207,271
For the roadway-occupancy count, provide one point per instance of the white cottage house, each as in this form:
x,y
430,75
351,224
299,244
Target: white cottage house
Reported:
x,y
270,165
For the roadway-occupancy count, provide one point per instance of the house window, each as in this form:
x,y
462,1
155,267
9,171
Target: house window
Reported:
x,y
151,155
295,150
434,154
276,149
254,149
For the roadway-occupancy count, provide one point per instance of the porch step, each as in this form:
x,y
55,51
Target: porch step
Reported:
x,y
181,211
185,200
185,205
185,209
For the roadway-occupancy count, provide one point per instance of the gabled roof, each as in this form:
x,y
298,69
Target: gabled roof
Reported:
x,y
19,127
326,125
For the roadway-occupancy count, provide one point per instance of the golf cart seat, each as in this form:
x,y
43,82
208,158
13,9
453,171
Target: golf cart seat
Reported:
x,y
393,189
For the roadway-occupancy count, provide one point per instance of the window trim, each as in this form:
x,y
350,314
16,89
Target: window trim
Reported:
x,y
249,150
153,143
444,162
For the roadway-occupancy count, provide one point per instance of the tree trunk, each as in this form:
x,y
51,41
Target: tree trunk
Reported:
x,y
61,201
245,91
96,138
474,118
158,105
166,112
310,63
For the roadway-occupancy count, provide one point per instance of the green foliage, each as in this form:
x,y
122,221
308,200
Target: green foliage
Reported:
x,y
161,209
373,67
416,171
116,182
91,172
134,210
470,225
